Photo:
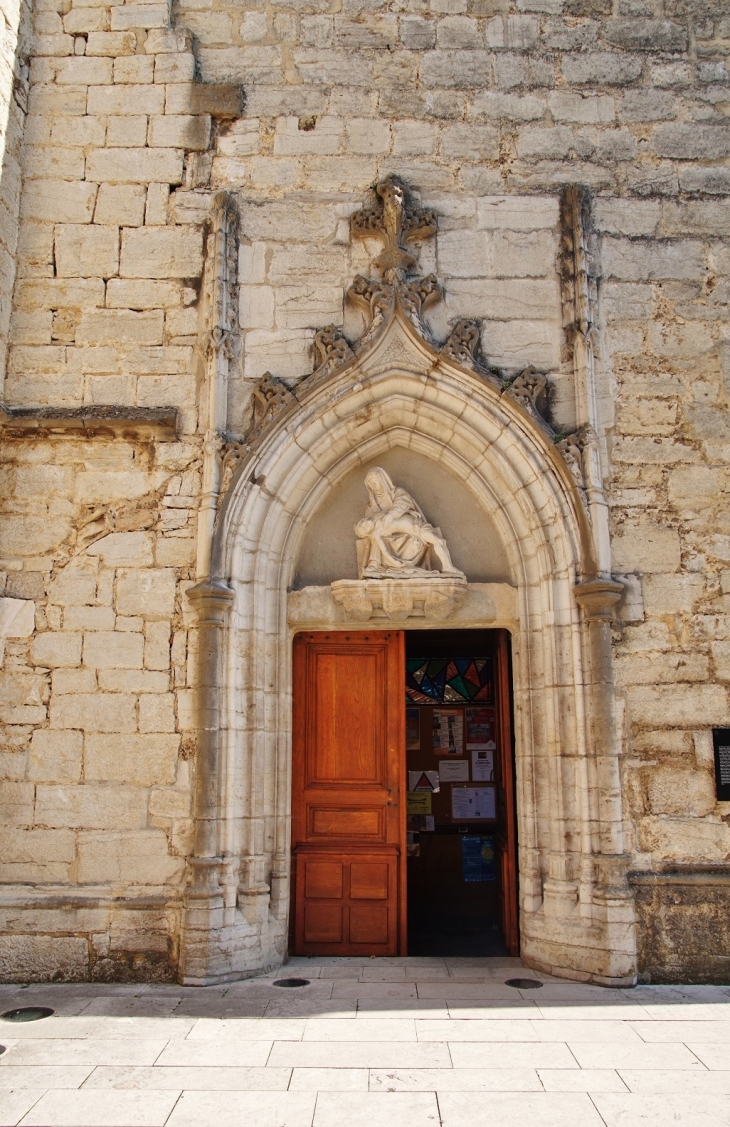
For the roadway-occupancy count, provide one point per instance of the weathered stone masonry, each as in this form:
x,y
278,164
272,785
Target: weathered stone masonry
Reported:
x,y
157,148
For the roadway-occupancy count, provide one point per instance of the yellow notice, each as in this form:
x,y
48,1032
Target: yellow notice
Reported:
x,y
419,802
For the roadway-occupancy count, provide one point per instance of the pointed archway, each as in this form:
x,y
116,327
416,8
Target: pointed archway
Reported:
x,y
398,388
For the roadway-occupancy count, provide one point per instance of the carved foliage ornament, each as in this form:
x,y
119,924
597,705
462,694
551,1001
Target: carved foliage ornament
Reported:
x,y
573,450
332,350
397,222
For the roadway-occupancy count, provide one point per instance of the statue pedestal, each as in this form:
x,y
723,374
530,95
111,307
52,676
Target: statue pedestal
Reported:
x,y
435,597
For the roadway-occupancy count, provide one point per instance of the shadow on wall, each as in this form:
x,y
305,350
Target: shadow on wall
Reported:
x,y
328,548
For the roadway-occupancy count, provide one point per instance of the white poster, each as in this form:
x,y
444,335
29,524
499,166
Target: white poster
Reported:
x,y
482,765
448,731
472,803
455,771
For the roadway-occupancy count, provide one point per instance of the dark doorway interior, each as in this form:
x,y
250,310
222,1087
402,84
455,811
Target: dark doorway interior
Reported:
x,y
460,819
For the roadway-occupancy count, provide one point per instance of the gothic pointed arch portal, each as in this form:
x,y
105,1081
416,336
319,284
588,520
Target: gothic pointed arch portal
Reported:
x,y
397,388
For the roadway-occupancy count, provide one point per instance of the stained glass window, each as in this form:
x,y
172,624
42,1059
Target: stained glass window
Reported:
x,y
457,680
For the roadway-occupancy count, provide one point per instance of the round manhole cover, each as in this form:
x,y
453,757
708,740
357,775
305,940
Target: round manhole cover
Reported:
x,y
524,983
27,1013
291,982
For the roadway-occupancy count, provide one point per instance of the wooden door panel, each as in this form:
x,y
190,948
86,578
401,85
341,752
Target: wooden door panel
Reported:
x,y
348,744
323,880
322,923
347,905
369,880
346,822
348,826
369,925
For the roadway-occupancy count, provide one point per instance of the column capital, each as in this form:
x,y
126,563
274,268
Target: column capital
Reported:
x,y
212,600
598,598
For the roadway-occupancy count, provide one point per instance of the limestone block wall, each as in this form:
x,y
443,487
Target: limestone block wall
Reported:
x,y
488,108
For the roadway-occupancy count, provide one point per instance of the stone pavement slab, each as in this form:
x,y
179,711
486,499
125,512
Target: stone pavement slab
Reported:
x,y
410,1043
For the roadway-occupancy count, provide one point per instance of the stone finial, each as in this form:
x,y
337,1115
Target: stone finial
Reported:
x,y
397,222
224,281
577,269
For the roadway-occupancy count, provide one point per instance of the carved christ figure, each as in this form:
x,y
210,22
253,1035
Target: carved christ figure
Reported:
x,y
395,541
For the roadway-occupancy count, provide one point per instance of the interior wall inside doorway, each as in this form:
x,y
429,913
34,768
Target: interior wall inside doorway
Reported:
x,y
328,549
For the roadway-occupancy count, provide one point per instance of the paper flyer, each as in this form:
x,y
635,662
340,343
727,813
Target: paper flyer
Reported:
x,y
419,802
477,859
454,772
472,803
480,728
482,765
448,731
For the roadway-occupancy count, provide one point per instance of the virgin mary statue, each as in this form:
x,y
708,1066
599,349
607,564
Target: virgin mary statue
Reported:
x,y
394,539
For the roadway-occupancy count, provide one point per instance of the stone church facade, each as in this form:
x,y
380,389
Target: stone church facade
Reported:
x,y
249,251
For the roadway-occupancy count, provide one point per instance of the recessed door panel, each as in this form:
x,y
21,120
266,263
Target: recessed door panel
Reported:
x,y
369,925
347,822
369,881
323,880
348,826
348,746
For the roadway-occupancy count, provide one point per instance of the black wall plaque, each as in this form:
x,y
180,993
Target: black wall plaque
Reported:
x,y
721,740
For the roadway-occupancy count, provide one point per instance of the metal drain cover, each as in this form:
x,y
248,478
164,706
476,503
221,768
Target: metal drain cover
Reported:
x,y
524,983
27,1013
291,982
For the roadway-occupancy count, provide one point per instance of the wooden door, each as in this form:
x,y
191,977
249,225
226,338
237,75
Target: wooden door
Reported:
x,y
506,838
348,824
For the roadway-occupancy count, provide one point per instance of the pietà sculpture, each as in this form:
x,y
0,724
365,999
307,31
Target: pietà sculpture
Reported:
x,y
394,539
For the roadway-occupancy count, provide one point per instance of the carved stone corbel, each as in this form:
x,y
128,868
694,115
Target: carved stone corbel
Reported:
x,y
573,448
232,453
598,598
